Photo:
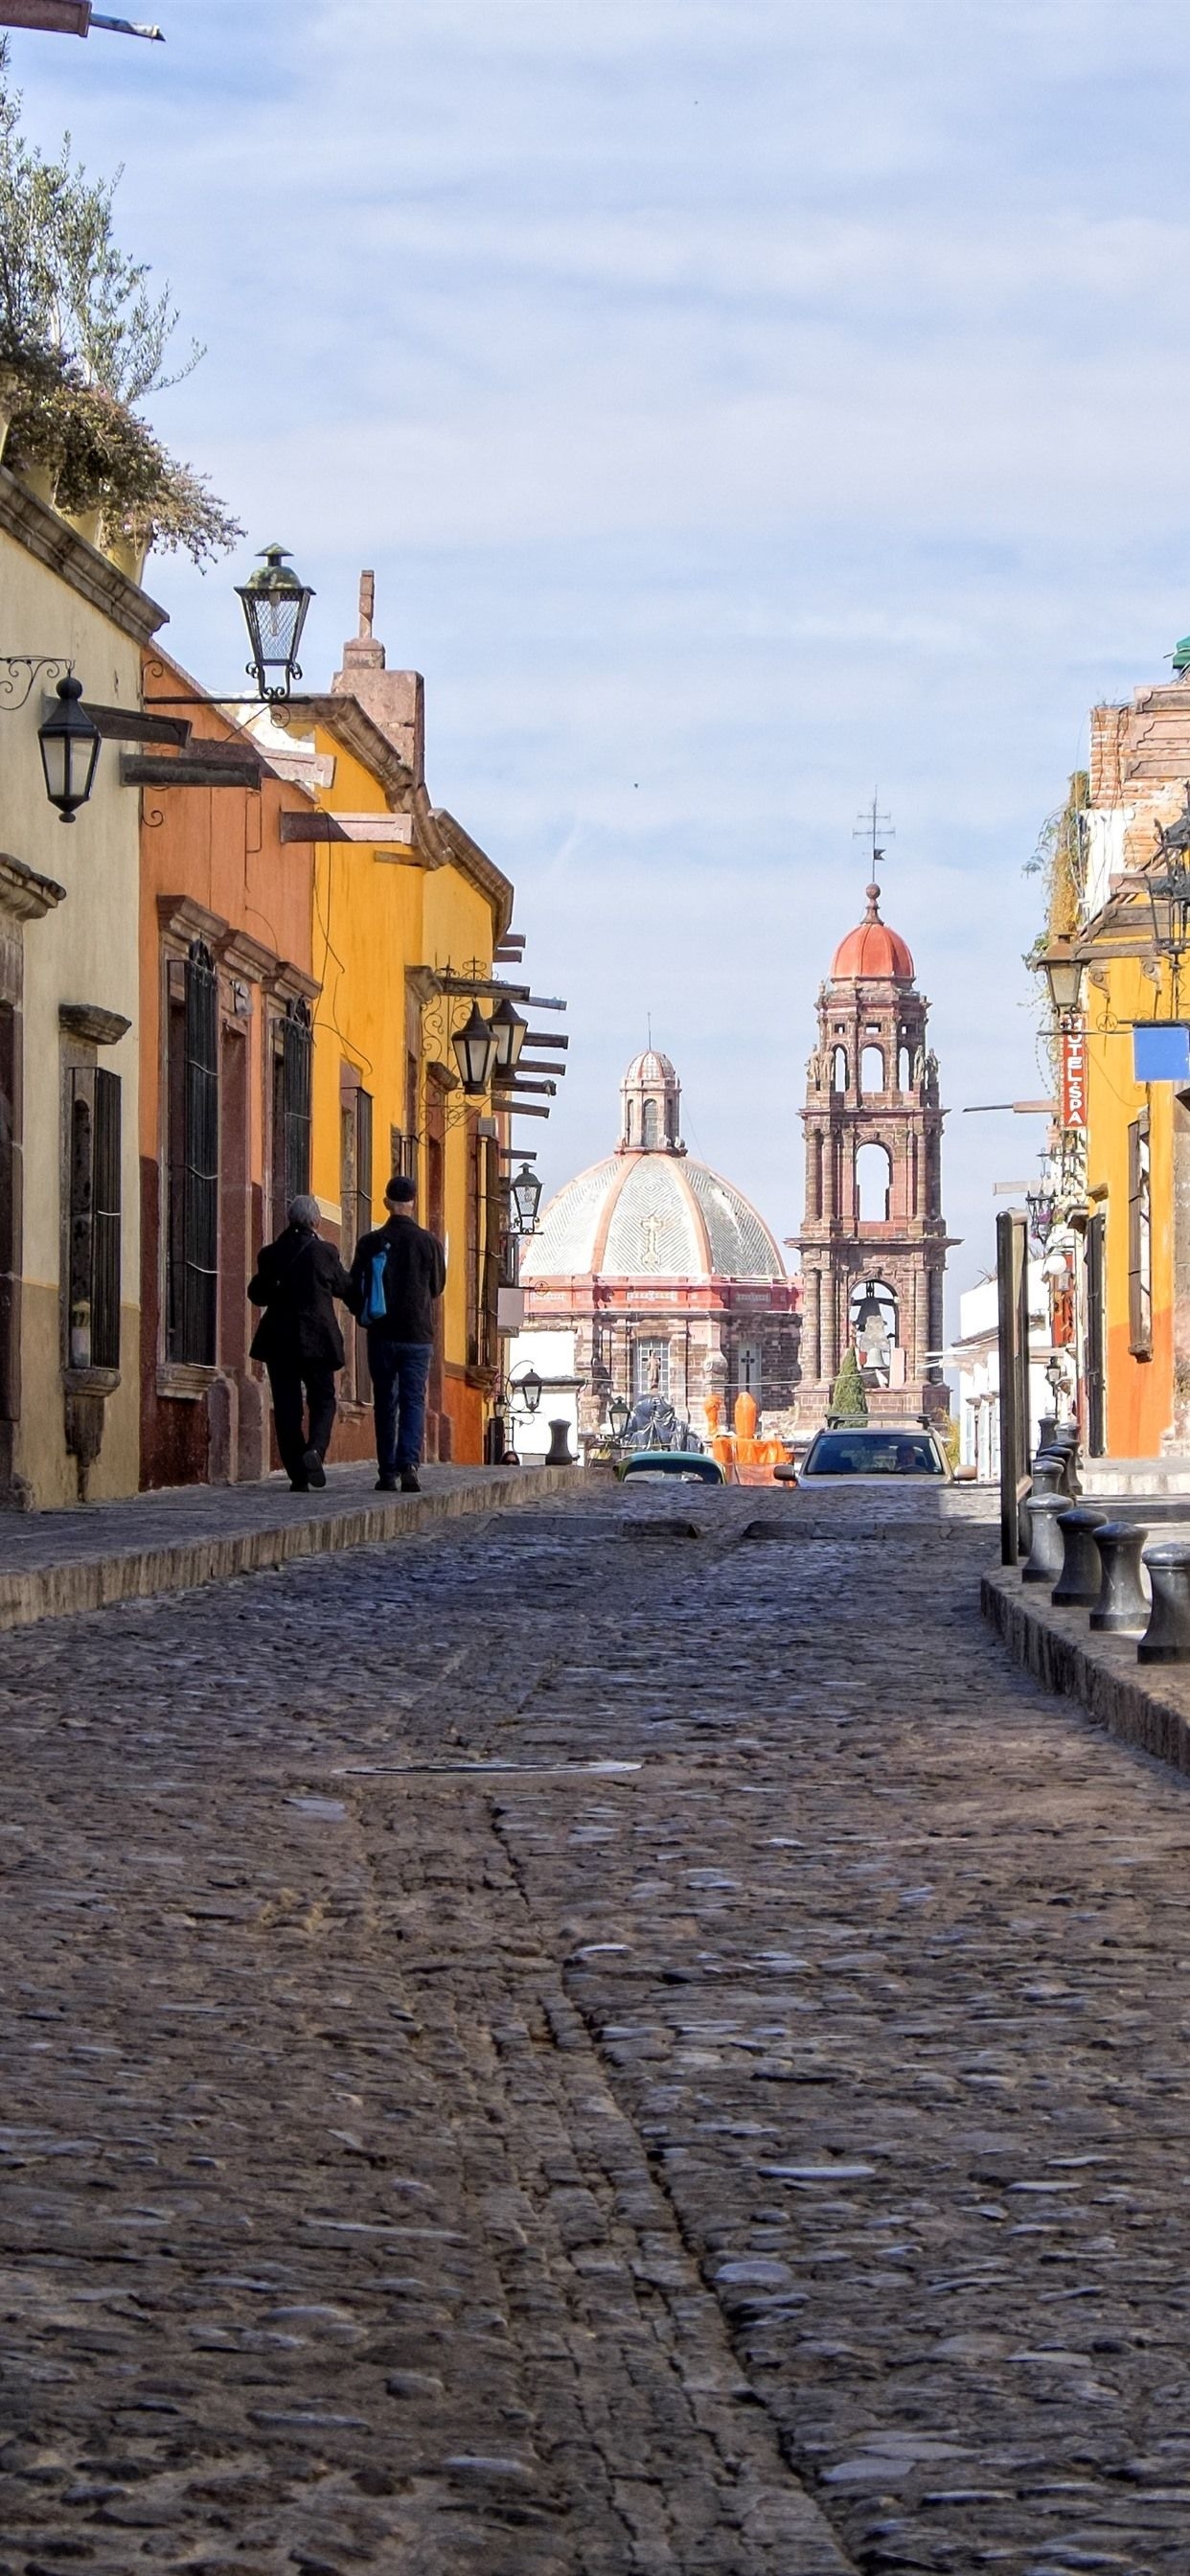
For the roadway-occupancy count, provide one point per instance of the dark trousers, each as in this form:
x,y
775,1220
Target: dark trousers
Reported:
x,y
400,1375
296,1384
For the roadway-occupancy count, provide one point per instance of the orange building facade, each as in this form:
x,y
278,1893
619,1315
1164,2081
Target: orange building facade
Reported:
x,y
228,993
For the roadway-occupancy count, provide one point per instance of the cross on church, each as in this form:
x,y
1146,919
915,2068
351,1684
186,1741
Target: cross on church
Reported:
x,y
869,827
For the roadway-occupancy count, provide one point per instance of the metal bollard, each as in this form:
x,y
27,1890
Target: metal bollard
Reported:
x,y
1044,1561
1048,1473
1077,1587
1121,1602
559,1452
1167,1638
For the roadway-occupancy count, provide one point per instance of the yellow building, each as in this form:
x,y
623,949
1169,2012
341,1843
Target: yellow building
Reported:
x,y
407,909
1131,1159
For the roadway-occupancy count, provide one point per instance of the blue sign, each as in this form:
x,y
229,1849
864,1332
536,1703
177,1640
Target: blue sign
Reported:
x,y
1161,1052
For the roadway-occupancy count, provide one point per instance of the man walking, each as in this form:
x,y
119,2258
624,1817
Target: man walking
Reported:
x,y
297,1281
397,1273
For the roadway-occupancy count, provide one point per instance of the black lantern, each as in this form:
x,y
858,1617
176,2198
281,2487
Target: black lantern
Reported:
x,y
275,604
524,1190
529,1389
1042,1206
619,1414
1063,972
69,750
475,1052
509,1031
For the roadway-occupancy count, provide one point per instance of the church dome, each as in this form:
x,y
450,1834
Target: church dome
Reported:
x,y
642,1214
873,952
650,1066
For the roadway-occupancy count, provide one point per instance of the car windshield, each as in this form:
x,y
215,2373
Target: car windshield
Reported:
x,y
652,1463
873,1453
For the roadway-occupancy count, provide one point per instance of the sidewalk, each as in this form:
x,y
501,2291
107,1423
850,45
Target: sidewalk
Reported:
x,y
1143,1704
54,1564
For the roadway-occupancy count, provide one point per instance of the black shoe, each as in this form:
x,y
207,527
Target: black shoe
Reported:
x,y
409,1483
298,1485
386,1485
313,1467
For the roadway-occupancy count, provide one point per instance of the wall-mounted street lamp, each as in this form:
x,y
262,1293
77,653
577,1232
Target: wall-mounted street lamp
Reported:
x,y
1168,890
619,1415
68,739
1063,972
524,1192
1042,1206
509,1030
69,750
274,602
475,1052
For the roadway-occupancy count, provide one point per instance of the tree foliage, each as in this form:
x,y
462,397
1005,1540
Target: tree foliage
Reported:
x,y
849,1401
83,339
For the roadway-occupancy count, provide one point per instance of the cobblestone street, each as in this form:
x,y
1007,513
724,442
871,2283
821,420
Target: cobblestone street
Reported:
x,y
619,2037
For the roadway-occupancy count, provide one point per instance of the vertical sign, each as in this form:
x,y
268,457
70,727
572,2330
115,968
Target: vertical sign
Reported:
x,y
1073,1102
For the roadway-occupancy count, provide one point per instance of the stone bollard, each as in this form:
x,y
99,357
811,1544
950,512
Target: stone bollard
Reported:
x,y
1044,1561
1121,1602
1167,1638
559,1452
1063,1443
1077,1587
1048,1473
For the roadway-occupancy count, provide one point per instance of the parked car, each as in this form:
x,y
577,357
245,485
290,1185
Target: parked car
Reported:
x,y
671,1466
868,1453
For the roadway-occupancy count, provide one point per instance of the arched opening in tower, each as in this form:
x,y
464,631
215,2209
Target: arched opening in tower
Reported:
x,y
871,1070
875,1331
873,1184
839,1068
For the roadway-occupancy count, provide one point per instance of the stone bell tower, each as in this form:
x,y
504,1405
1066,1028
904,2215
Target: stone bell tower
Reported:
x,y
874,1242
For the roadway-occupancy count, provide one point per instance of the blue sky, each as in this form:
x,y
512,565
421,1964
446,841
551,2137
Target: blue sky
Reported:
x,y
740,405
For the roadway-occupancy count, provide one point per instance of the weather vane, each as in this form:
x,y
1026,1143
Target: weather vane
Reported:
x,y
869,828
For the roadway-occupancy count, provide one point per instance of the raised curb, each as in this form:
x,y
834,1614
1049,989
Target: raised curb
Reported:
x,y
180,1565
1147,1705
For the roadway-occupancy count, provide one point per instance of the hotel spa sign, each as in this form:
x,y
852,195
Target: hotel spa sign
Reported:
x,y
1073,1084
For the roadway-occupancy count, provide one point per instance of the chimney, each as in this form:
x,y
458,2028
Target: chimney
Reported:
x,y
395,700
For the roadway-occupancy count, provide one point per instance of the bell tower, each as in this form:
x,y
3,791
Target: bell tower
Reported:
x,y
873,1243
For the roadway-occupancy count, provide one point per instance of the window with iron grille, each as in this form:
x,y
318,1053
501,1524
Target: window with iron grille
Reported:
x,y
1140,1242
402,1153
650,1366
355,1202
93,1281
192,1257
292,1050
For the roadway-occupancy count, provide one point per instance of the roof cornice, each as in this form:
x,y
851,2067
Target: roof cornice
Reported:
x,y
343,716
465,854
43,533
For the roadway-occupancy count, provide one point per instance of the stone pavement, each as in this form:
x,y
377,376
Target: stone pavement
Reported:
x,y
595,2042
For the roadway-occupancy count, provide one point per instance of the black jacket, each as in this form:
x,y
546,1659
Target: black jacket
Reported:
x,y
297,1281
414,1275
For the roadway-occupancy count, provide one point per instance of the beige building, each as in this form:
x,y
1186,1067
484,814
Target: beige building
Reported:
x,y
69,896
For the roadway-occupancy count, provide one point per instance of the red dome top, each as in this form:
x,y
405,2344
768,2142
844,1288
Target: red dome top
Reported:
x,y
873,951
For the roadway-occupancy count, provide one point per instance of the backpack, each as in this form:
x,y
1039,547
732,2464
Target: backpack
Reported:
x,y
375,1305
